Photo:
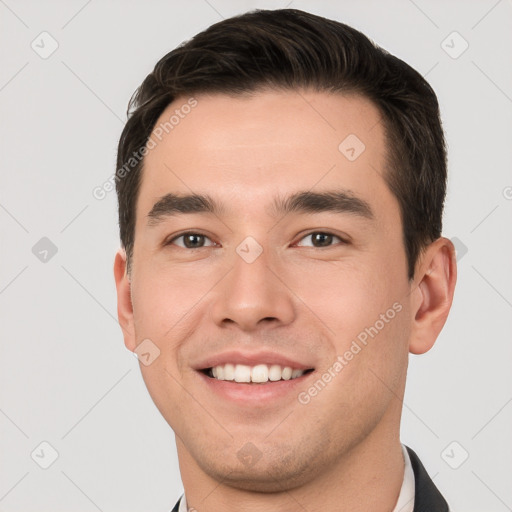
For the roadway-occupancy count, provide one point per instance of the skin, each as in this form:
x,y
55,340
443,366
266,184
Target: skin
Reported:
x,y
306,302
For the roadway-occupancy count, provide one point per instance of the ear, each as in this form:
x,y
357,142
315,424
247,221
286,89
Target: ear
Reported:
x,y
434,285
124,300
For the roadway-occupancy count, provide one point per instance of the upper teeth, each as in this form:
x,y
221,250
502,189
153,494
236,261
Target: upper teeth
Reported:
x,y
258,373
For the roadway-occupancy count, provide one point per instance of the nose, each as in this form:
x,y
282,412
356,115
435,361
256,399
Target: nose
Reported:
x,y
253,295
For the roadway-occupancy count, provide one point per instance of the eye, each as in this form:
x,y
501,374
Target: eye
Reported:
x,y
190,241
320,239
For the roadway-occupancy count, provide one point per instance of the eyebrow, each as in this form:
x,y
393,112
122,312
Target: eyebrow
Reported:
x,y
339,201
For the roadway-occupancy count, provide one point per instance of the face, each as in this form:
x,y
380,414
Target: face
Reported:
x,y
291,267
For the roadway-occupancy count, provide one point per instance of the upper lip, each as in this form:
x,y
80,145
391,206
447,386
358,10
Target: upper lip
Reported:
x,y
250,359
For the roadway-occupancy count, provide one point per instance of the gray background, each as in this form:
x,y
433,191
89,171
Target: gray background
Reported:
x,y
66,377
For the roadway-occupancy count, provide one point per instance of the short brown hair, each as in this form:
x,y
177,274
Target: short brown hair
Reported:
x,y
291,49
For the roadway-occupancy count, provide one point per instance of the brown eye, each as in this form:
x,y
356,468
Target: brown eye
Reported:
x,y
320,239
191,241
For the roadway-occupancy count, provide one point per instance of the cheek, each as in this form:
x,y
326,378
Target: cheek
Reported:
x,y
365,310
165,297
347,297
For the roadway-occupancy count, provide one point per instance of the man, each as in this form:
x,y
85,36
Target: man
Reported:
x,y
281,183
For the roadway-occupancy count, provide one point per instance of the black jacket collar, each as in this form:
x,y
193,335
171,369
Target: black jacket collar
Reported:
x,y
427,496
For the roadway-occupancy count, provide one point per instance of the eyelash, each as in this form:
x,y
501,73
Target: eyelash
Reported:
x,y
328,233
170,242
342,241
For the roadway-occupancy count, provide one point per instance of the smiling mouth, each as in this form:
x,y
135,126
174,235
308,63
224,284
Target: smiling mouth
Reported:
x,y
259,374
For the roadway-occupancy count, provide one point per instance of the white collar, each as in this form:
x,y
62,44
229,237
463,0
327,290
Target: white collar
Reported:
x,y
405,501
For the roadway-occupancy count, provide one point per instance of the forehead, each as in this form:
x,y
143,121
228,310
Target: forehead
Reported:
x,y
248,148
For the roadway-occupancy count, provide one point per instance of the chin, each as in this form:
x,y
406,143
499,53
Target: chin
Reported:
x,y
270,478
268,472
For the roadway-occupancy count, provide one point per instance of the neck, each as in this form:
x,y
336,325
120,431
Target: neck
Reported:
x,y
368,477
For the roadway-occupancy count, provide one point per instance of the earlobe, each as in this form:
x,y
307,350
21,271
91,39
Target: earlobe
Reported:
x,y
124,301
436,276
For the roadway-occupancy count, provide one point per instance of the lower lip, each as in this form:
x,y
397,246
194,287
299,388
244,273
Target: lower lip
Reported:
x,y
254,393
